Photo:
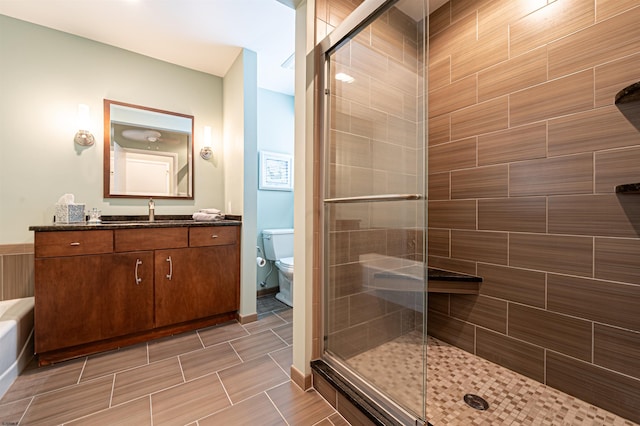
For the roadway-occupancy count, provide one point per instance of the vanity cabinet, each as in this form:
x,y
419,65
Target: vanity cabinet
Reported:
x,y
101,289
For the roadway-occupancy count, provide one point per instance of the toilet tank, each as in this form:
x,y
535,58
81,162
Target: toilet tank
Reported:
x,y
278,243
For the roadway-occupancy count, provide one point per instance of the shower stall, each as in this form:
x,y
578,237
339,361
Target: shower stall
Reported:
x,y
522,175
374,203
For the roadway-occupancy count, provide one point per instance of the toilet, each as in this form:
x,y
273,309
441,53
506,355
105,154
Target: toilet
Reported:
x,y
278,247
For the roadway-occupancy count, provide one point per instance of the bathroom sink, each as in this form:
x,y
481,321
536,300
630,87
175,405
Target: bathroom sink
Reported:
x,y
126,222
168,220
146,222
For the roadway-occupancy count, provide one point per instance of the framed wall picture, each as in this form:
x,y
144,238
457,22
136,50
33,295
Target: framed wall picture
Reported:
x,y
276,171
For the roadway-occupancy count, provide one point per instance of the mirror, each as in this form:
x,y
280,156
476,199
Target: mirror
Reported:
x,y
147,152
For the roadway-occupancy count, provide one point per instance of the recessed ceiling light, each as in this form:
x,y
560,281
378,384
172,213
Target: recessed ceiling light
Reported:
x,y
346,78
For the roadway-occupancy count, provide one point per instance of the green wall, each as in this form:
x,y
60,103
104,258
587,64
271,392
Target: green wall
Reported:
x,y
44,75
275,134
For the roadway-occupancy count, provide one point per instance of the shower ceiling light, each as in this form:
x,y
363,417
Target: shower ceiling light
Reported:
x,y
346,78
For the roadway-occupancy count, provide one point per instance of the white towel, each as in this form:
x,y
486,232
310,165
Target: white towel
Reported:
x,y
210,211
204,217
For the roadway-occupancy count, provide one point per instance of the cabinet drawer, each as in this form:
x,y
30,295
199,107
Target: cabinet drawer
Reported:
x,y
73,243
213,236
150,239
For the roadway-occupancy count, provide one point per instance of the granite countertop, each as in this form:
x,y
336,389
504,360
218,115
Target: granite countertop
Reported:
x,y
138,222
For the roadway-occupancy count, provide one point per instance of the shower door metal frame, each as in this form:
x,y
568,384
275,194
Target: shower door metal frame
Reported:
x,y
368,11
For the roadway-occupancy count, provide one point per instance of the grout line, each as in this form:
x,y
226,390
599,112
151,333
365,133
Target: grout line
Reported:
x,y
278,336
544,366
276,406
84,365
113,389
151,409
224,388
26,409
275,313
593,342
278,364
593,257
201,341
546,291
184,379
506,325
235,351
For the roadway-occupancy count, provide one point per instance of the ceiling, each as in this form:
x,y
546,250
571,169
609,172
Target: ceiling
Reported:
x,y
204,35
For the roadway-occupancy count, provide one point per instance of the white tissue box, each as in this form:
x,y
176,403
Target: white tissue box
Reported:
x,y
70,213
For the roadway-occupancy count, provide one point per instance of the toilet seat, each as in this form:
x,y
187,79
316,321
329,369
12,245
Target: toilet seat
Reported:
x,y
285,264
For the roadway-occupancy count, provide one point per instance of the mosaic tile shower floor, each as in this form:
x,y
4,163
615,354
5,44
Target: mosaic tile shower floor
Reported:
x,y
513,399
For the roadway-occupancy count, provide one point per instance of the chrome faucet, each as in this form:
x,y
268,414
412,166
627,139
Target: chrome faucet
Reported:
x,y
152,210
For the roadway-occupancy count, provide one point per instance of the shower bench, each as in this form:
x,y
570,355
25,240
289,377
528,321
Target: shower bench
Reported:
x,y
388,273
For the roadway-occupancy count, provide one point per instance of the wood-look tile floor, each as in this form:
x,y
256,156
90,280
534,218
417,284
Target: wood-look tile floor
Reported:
x,y
225,375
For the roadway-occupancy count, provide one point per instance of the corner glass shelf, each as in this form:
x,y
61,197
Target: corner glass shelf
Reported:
x,y
629,94
628,188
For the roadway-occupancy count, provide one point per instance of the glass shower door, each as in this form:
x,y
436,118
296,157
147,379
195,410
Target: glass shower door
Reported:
x,y
375,208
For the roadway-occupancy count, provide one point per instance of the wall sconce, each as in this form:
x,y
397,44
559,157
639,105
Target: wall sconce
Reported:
x,y
206,152
84,137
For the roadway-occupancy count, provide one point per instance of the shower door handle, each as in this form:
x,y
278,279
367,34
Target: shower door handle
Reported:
x,y
374,198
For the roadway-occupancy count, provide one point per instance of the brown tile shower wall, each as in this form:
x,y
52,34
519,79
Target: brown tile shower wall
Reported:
x,y
16,271
525,149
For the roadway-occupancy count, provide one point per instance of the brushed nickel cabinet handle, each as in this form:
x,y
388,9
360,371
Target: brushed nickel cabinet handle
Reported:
x,y
214,236
170,268
74,244
138,279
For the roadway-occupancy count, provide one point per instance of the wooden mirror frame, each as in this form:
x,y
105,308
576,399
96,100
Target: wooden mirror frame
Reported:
x,y
108,192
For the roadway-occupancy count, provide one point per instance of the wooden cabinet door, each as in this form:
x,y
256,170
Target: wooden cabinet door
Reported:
x,y
68,301
83,299
127,293
218,268
196,283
